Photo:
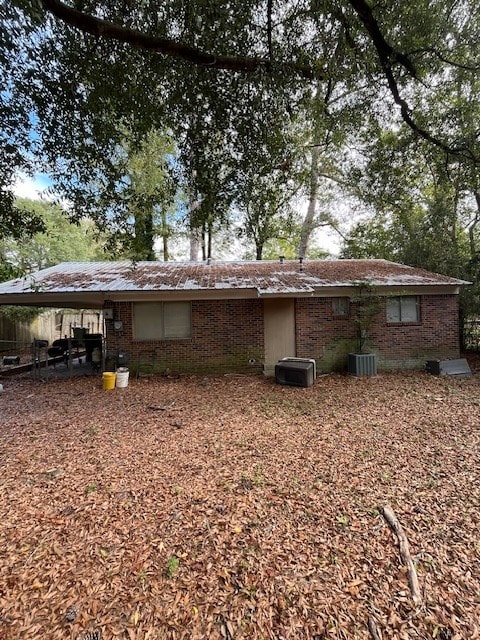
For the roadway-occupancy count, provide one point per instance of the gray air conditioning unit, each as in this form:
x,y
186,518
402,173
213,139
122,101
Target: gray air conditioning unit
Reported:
x,y
459,368
362,364
296,372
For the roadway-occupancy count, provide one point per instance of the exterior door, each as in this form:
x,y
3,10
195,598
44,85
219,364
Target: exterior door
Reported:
x,y
279,329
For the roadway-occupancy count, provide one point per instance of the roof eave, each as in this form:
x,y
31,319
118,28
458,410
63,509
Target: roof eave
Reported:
x,y
68,299
96,299
181,294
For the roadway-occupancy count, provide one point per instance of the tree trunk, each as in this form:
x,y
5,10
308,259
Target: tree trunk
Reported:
x,y
209,241
165,233
144,236
166,256
204,248
308,224
194,245
207,233
473,227
194,233
149,237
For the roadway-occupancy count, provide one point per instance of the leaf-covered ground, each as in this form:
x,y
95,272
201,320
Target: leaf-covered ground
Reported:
x,y
234,508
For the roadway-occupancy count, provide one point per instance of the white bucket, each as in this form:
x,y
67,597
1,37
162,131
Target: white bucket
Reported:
x,y
122,377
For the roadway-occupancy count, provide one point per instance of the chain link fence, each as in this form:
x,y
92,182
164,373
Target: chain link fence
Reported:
x,y
471,334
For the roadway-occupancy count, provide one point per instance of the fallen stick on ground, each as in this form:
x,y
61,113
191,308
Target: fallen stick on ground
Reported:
x,y
372,627
396,527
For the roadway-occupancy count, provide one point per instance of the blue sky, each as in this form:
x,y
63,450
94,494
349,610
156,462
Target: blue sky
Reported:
x,y
27,187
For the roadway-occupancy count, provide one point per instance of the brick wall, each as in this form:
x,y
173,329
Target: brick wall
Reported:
x,y
321,335
226,335
436,336
328,339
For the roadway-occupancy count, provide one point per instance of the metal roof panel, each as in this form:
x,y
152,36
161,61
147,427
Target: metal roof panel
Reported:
x,y
265,277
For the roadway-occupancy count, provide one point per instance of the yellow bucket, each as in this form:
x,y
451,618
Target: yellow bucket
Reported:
x,y
108,380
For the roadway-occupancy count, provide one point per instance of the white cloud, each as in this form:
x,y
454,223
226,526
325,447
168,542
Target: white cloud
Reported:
x,y
328,240
32,188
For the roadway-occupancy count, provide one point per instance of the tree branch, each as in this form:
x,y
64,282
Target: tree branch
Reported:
x,y
396,527
269,29
387,54
438,54
372,627
387,57
170,48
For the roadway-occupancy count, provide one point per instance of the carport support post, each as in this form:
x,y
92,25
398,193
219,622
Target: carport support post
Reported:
x,y
70,358
36,359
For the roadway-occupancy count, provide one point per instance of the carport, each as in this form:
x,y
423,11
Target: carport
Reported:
x,y
78,351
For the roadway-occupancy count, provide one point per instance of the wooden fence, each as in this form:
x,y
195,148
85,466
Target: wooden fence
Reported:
x,y
49,325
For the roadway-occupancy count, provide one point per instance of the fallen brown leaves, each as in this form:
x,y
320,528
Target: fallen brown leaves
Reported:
x,y
233,508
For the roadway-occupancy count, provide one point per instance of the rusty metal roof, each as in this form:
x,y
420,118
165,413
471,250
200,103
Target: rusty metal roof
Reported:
x,y
262,278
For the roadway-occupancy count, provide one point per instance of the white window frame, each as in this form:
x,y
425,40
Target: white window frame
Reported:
x,y
154,321
401,312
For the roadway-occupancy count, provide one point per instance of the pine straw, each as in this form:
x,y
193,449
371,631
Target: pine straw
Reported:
x,y
231,507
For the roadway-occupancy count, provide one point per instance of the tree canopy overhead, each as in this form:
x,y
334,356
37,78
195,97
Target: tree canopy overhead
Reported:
x,y
246,89
404,43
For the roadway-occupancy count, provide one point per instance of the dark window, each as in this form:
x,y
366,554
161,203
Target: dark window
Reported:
x,y
341,307
403,309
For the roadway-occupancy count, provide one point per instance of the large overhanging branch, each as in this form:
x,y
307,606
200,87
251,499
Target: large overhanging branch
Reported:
x,y
170,48
385,51
388,56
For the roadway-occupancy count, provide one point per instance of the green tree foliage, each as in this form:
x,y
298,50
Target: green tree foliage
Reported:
x,y
423,207
269,175
136,208
59,241
16,29
425,212
153,190
218,73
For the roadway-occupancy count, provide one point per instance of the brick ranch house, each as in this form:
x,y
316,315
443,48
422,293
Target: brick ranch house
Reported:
x,y
244,316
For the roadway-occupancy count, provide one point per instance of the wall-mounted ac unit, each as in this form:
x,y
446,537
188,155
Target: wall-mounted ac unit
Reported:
x,y
292,359
297,372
